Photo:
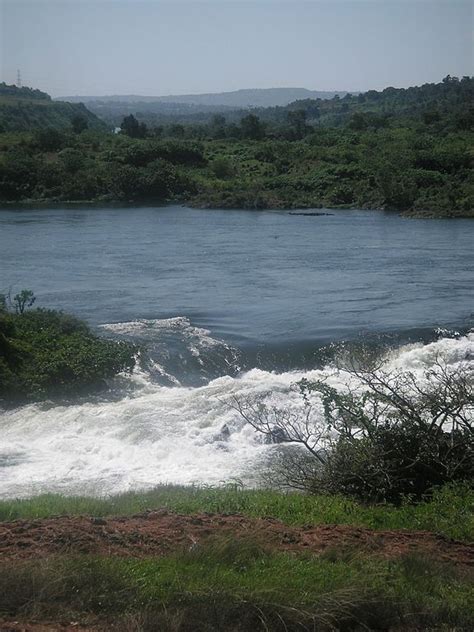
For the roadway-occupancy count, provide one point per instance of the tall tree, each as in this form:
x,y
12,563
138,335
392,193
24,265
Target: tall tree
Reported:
x,y
79,123
252,127
131,127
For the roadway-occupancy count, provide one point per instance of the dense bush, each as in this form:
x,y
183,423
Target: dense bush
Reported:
x,y
397,461
416,160
47,353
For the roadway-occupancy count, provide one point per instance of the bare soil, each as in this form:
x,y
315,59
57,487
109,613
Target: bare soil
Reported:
x,y
162,532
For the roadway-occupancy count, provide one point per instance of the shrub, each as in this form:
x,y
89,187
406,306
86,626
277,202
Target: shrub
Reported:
x,y
45,353
223,168
393,435
18,175
49,139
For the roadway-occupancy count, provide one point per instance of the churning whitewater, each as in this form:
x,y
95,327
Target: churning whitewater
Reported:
x,y
153,427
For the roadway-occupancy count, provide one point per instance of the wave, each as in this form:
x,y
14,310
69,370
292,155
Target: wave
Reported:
x,y
177,352
163,430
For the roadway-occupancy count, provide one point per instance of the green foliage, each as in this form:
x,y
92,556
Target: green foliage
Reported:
x,y
71,160
131,127
239,586
297,123
399,436
22,300
18,174
222,168
398,462
448,511
22,93
159,180
252,128
79,123
25,109
384,151
46,353
396,435
49,139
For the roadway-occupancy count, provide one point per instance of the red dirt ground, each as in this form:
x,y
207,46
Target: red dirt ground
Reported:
x,y
162,532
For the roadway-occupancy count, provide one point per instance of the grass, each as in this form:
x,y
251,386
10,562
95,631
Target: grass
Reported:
x,y
241,585
449,512
237,587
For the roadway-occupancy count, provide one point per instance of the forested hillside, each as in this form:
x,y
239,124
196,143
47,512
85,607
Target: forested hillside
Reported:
x,y
407,150
430,102
24,109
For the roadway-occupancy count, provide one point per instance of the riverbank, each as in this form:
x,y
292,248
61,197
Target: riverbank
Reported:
x,y
225,558
227,204
401,170
49,354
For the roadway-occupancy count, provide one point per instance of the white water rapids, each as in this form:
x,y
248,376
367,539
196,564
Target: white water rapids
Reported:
x,y
163,434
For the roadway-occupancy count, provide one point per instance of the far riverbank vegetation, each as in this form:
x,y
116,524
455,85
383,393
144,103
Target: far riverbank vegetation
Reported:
x,y
408,150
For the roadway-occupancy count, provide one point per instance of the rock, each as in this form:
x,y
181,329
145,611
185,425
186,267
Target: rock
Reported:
x,y
223,434
276,435
313,214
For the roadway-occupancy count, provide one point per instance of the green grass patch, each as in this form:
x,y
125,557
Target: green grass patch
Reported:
x,y
449,512
229,586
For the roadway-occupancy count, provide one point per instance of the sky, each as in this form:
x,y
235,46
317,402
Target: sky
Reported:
x,y
154,47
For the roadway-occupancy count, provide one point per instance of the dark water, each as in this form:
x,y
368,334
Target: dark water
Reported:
x,y
250,277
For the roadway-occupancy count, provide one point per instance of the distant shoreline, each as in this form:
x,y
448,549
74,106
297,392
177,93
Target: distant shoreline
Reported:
x,y
291,210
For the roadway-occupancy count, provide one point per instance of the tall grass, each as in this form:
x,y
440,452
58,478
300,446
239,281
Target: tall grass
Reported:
x,y
228,586
449,512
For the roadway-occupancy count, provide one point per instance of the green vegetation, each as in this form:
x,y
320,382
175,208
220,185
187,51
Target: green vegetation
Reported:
x,y
23,109
240,584
46,353
429,102
241,587
449,512
407,150
397,435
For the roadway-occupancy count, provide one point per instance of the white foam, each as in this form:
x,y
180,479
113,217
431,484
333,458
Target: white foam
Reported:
x,y
181,324
158,434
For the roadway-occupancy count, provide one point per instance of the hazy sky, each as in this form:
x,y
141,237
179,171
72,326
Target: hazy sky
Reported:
x,y
81,47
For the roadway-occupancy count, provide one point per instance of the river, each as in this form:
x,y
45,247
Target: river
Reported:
x,y
226,303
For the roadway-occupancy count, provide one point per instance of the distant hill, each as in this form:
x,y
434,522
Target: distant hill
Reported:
x,y
372,108
261,97
23,109
195,108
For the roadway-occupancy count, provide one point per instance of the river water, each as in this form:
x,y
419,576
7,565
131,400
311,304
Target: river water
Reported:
x,y
226,304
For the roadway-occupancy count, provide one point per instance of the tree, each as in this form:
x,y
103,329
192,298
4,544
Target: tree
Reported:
x,y
71,159
297,121
385,436
49,139
131,127
218,126
252,127
177,130
18,174
24,299
358,122
79,123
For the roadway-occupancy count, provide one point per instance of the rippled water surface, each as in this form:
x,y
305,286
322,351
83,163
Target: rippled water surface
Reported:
x,y
227,304
247,275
